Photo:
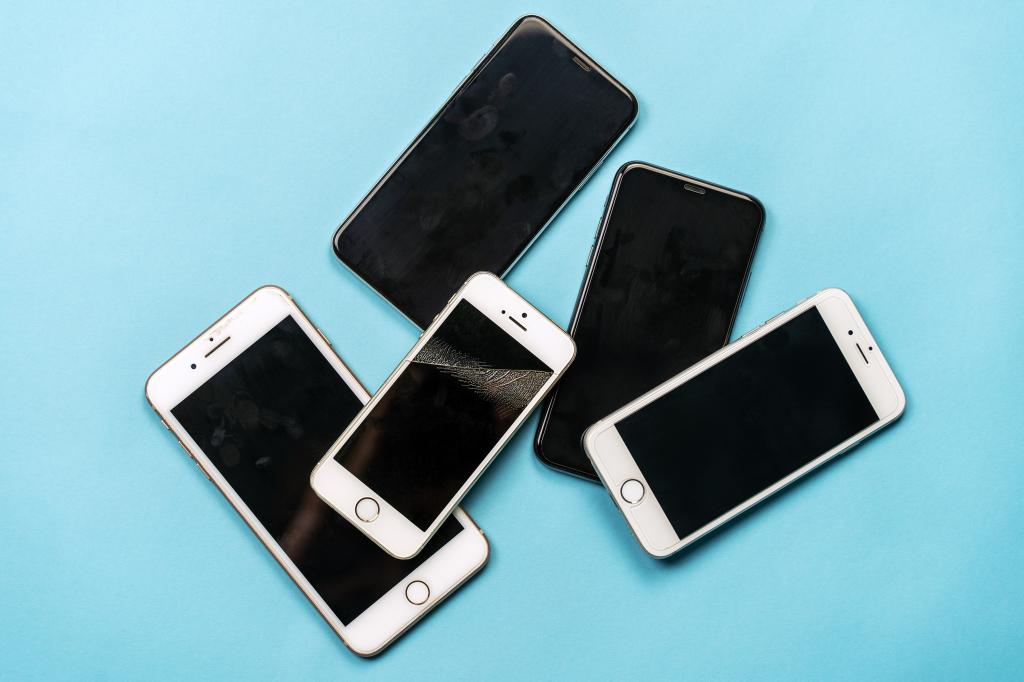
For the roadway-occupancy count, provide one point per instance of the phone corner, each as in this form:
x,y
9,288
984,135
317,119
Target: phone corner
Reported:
x,y
589,440
530,16
901,400
660,553
314,475
541,430
761,210
485,551
835,292
274,290
365,650
336,242
633,165
147,389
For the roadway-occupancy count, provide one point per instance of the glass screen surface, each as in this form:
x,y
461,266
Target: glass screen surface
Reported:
x,y
265,420
667,280
487,175
749,421
443,414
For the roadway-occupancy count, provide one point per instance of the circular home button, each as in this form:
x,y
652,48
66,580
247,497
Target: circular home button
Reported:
x,y
632,491
367,509
417,592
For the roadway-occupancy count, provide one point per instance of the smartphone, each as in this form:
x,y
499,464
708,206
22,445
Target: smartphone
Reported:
x,y
745,422
517,137
662,288
443,415
255,401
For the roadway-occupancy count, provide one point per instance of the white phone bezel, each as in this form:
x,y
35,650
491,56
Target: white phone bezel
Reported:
x,y
392,614
615,465
341,489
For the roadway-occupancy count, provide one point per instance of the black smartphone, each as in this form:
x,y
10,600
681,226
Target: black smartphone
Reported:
x,y
661,291
491,169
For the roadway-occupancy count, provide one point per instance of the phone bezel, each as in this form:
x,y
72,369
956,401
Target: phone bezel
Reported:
x,y
392,614
615,465
477,68
341,489
581,297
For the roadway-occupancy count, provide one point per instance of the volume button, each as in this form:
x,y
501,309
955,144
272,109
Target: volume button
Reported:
x,y
194,460
324,337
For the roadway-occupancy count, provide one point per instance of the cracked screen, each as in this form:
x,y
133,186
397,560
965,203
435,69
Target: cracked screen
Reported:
x,y
487,174
265,420
443,414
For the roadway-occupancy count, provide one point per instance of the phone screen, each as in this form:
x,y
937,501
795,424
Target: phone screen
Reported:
x,y
487,174
443,414
264,421
747,422
666,282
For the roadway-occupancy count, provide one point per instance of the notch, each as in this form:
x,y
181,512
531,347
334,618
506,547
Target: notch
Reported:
x,y
214,349
694,188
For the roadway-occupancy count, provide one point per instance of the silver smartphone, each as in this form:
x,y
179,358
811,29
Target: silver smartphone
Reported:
x,y
255,401
748,420
443,415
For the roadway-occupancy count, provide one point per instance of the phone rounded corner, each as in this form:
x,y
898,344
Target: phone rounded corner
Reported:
x,y
661,553
365,650
633,165
634,106
336,243
314,475
835,292
405,554
530,16
273,290
571,348
761,210
482,276
147,389
485,550
901,401
589,440
538,436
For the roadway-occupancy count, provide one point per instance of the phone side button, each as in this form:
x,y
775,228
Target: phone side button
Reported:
x,y
194,461
324,337
417,592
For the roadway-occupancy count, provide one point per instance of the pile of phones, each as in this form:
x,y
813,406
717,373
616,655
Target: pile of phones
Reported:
x,y
357,495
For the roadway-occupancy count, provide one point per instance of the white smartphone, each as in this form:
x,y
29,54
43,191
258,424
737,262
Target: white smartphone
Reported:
x,y
745,422
255,401
472,379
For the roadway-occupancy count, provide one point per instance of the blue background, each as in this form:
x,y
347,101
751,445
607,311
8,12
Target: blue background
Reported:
x,y
161,161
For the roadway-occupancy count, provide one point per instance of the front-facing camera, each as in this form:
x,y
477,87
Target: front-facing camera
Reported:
x,y
193,365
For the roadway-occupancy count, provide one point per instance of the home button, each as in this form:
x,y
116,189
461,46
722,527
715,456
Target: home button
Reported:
x,y
367,509
632,491
417,592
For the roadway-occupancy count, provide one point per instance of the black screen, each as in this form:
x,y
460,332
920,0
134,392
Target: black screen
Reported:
x,y
666,280
449,408
487,174
265,420
742,425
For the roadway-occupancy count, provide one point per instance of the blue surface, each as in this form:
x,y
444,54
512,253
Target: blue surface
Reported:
x,y
161,161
